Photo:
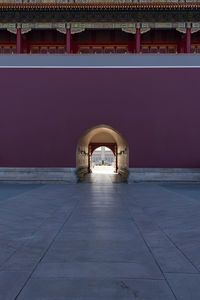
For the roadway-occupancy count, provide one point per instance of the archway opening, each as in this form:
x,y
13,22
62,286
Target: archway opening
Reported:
x,y
103,161
102,136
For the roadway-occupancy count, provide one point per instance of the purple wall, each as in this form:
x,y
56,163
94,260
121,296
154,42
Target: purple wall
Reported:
x,y
43,113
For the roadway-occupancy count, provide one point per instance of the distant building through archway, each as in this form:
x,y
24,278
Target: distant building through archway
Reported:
x,y
103,161
102,136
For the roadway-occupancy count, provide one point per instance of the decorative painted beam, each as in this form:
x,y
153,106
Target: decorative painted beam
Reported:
x,y
78,27
13,28
194,27
62,28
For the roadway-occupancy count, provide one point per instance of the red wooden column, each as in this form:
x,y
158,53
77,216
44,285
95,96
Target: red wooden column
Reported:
x,y
19,41
138,40
188,40
68,40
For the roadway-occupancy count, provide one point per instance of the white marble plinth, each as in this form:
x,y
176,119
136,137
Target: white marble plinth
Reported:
x,y
164,174
38,174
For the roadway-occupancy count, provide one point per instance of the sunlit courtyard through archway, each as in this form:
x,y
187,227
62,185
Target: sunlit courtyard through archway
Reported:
x,y
103,161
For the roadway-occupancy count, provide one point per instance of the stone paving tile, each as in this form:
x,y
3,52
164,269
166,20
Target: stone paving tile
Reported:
x,y
99,251
11,283
14,189
169,257
192,190
166,253
92,223
99,270
188,241
99,241
178,217
5,252
185,286
99,233
95,223
112,289
32,251
108,229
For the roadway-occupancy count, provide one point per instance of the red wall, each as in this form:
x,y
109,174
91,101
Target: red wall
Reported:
x,y
43,113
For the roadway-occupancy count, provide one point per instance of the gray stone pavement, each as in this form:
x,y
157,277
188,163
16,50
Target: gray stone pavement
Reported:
x,y
93,241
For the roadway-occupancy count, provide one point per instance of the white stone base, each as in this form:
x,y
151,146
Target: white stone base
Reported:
x,y
70,175
163,175
38,174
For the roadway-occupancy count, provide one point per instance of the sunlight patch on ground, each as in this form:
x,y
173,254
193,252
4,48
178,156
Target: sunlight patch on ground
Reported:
x,y
103,170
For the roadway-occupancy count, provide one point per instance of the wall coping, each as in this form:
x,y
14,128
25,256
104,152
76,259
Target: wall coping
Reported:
x,y
65,61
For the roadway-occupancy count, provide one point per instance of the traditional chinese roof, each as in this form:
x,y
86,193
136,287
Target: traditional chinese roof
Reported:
x,y
100,4
23,11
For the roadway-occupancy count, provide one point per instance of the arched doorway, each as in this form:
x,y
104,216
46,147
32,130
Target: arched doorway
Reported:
x,y
98,136
103,158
